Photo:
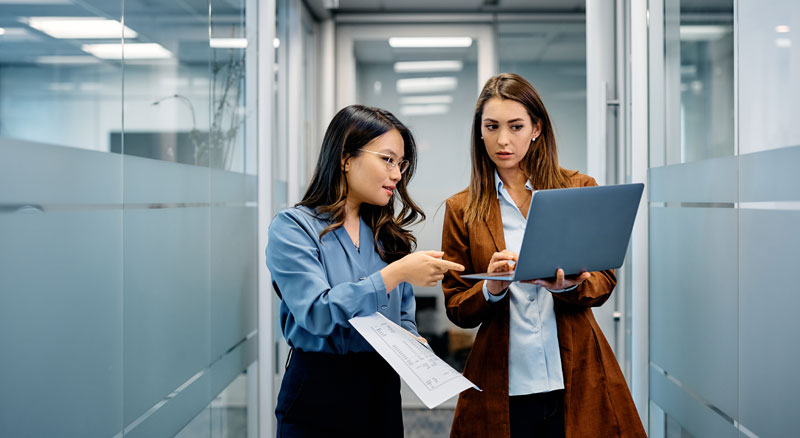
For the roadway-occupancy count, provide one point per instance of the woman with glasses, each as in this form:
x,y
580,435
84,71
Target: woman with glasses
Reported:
x,y
539,356
343,252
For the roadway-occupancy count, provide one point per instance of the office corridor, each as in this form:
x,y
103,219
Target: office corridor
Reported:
x,y
146,146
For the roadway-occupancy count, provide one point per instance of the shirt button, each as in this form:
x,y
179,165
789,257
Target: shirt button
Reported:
x,y
536,329
384,307
532,298
362,278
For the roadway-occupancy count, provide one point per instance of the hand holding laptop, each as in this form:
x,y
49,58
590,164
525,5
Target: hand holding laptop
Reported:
x,y
503,261
561,281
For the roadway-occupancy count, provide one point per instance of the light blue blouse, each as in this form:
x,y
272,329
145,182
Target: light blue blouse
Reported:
x,y
534,358
326,281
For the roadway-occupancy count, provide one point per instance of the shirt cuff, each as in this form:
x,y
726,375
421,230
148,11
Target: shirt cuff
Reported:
x,y
381,297
493,298
564,290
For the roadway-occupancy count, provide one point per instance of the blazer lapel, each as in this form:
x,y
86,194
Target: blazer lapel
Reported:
x,y
494,222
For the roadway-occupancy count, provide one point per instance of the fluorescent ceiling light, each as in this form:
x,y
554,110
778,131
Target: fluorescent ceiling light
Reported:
x,y
132,51
426,85
783,43
709,32
228,43
421,100
430,41
782,29
2,31
276,42
80,27
64,60
427,66
423,110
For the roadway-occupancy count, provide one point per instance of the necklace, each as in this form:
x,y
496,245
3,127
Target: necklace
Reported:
x,y
525,200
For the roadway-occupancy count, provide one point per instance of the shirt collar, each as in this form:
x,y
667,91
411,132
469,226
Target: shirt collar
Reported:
x,y
498,183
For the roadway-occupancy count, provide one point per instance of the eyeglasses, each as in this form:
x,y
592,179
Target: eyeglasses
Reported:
x,y
390,161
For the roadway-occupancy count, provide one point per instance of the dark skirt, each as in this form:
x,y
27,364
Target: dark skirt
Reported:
x,y
328,395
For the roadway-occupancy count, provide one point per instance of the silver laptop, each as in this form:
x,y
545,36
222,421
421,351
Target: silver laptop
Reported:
x,y
578,229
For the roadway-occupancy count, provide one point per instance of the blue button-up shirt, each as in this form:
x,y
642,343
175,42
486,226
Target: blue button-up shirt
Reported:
x,y
326,281
534,359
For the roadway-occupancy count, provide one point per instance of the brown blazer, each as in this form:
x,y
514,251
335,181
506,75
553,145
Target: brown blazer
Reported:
x,y
597,400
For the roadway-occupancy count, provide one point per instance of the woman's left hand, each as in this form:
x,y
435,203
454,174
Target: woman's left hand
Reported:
x,y
561,281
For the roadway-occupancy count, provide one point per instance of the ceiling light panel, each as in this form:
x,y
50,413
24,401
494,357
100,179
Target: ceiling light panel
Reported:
x,y
422,42
80,27
427,66
228,43
132,51
424,110
426,85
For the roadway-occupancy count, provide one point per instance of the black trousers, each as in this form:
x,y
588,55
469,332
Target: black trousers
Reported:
x,y
332,395
537,415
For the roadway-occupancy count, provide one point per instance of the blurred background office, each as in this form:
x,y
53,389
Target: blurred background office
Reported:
x,y
145,146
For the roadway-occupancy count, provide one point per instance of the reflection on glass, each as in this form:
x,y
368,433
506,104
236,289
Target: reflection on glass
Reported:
x,y
699,71
166,98
52,89
769,92
228,41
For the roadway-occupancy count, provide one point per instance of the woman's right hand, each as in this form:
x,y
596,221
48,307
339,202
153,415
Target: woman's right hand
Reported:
x,y
421,268
502,261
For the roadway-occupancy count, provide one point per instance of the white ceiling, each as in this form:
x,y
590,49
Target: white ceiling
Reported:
x,y
182,25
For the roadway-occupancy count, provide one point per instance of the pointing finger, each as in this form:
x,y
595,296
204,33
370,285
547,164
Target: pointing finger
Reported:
x,y
450,265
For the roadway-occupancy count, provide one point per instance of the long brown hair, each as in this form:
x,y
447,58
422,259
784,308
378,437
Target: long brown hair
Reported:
x,y
540,163
350,130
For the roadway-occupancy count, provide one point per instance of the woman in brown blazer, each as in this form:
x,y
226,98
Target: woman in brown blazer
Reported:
x,y
540,359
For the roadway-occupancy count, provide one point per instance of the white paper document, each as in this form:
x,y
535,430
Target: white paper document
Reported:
x,y
431,378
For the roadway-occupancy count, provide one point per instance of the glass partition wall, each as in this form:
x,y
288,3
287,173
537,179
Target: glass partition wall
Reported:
x,y
128,218
723,213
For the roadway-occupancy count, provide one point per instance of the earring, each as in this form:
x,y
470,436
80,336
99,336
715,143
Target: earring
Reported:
x,y
481,137
533,139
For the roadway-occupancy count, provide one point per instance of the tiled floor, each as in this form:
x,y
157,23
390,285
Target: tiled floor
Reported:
x,y
427,423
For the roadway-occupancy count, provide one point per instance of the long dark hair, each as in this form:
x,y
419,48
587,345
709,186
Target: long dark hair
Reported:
x,y
350,130
540,163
